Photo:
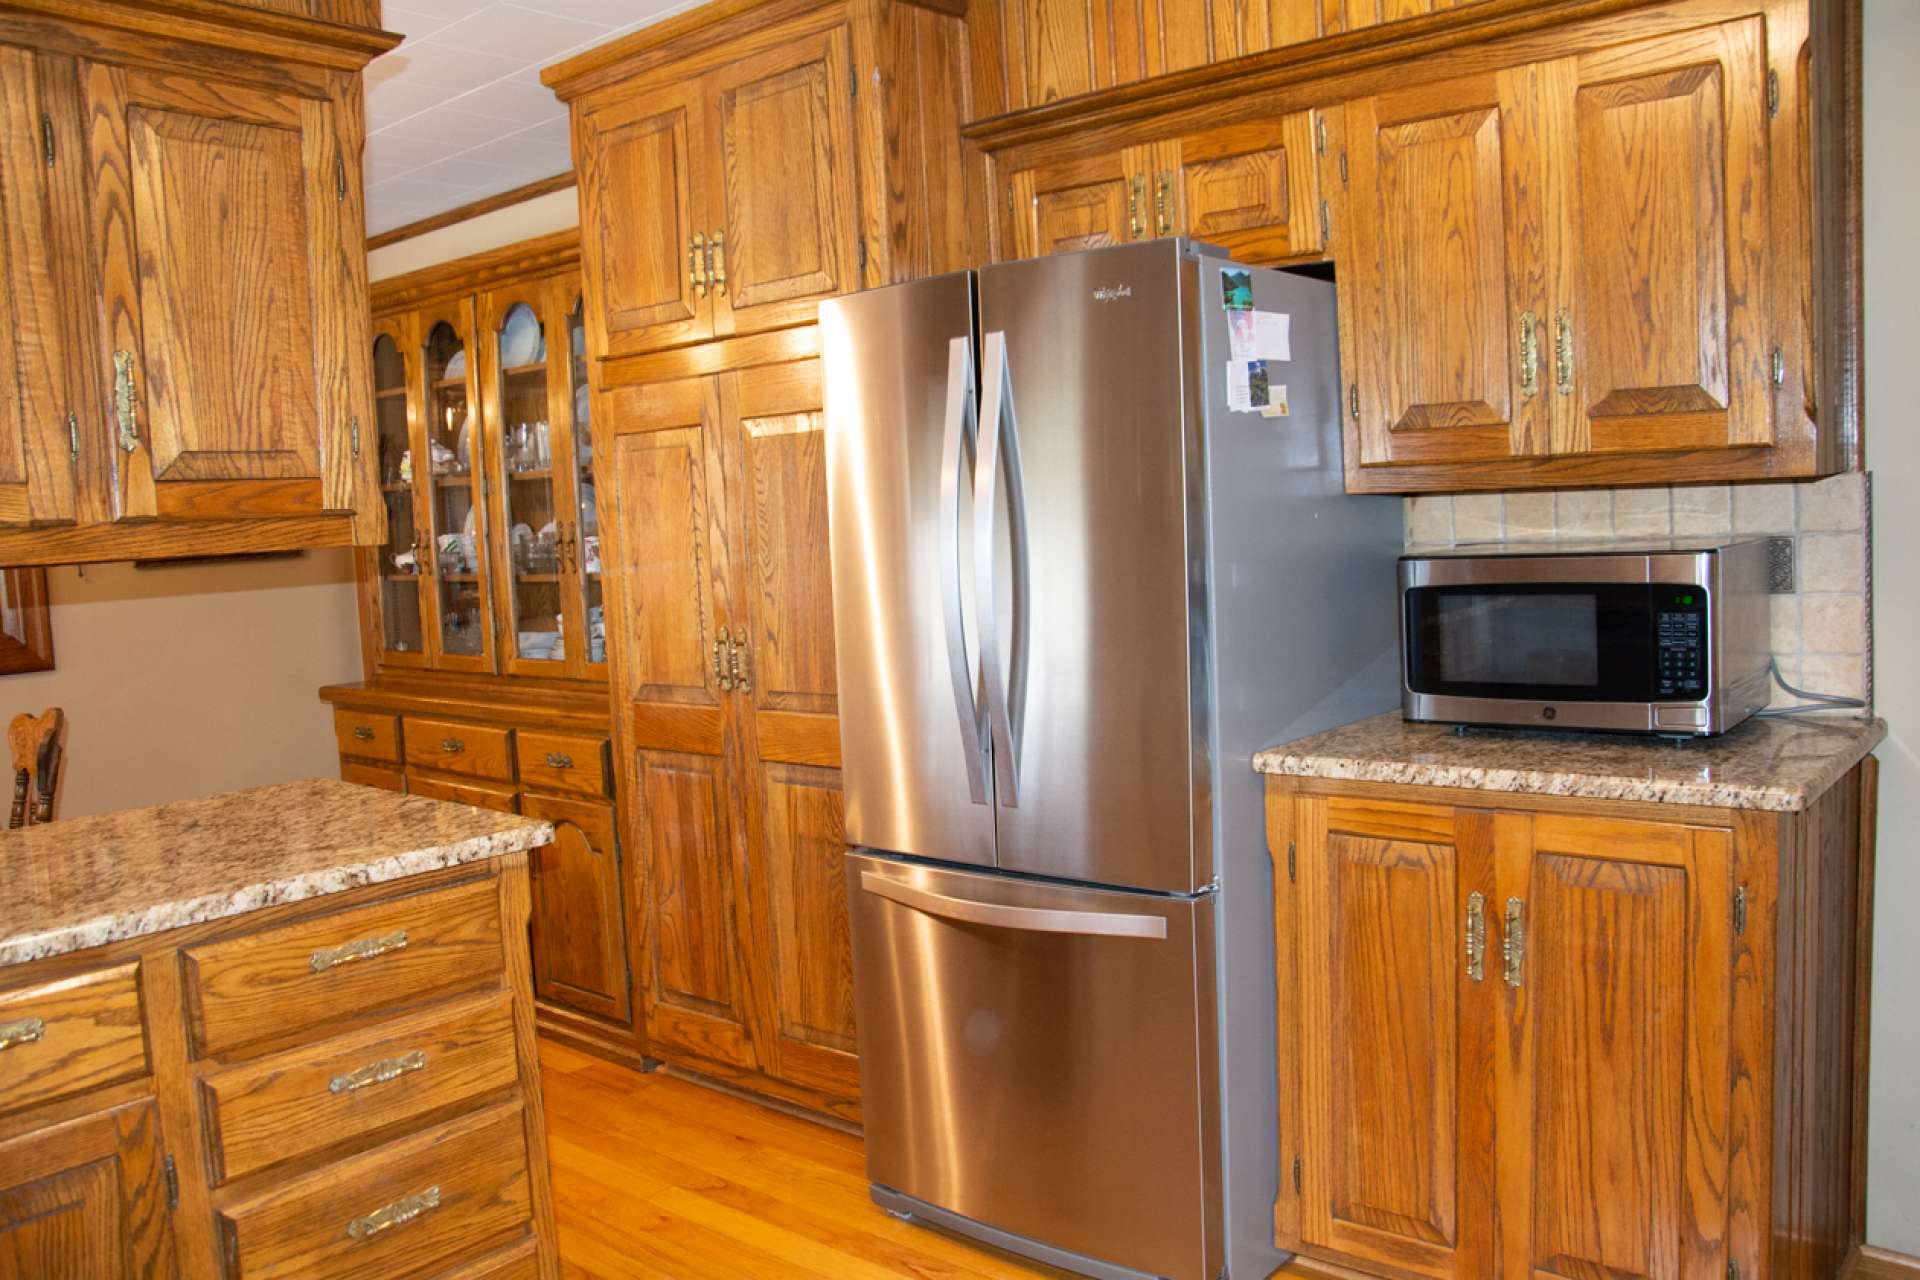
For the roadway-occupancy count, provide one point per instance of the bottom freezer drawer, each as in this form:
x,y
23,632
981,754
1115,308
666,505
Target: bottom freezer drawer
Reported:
x,y
1042,1058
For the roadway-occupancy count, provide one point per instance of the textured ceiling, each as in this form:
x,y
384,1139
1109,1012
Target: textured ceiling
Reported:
x,y
457,113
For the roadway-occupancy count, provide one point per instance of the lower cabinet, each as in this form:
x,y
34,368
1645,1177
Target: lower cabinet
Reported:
x,y
87,1198
579,938
1542,1040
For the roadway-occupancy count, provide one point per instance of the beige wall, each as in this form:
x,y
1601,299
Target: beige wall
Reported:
x,y
1892,111
193,679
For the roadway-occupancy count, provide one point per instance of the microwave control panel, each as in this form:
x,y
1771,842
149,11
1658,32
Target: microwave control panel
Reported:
x,y
1680,642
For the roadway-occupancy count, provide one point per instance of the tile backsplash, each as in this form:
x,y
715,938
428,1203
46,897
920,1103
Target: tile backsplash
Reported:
x,y
1821,632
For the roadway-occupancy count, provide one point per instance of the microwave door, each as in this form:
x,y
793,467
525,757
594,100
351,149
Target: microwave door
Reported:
x,y
900,369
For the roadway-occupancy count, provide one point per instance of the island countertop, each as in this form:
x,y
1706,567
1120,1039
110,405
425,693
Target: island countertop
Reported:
x,y
85,882
1781,764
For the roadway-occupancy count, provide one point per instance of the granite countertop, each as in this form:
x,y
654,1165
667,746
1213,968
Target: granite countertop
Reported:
x,y
83,882
1775,763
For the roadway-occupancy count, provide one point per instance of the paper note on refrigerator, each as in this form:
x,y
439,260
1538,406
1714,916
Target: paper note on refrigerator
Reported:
x,y
1271,336
1239,391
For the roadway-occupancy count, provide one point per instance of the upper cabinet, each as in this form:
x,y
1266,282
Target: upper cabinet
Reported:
x,y
187,292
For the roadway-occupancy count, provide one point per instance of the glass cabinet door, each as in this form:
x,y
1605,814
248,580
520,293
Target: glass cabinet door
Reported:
x,y
583,539
450,469
397,567
528,451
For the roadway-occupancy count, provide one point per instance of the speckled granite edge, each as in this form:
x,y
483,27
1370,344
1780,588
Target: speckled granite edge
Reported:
x,y
161,916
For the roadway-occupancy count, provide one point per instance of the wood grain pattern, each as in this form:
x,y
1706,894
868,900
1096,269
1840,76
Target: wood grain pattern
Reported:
x,y
579,918
481,795
453,746
367,735
92,1034
386,777
568,763
285,1105
259,985
86,1199
1085,203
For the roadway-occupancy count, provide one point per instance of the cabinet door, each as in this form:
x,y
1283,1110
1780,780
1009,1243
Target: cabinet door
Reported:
x,y
449,467
579,931
1074,203
87,1199
211,205
583,582
1252,189
671,638
37,453
1663,341
790,739
400,593
641,159
1392,1028
1613,1073
783,232
1440,275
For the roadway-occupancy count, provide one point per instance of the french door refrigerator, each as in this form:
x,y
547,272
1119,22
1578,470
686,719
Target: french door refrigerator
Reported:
x,y
1078,579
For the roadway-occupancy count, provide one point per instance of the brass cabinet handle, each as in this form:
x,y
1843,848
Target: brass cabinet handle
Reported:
x,y
1163,202
124,409
1136,192
378,1072
559,760
720,676
21,1031
452,746
1476,936
400,1212
717,261
359,949
362,733
1563,352
737,664
1529,355
696,270
1513,943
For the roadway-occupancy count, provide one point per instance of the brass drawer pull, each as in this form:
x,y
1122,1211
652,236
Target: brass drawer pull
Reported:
x,y
378,1072
21,1031
1513,945
1529,356
452,746
125,408
1476,936
362,733
399,1213
720,676
1136,192
559,760
1163,202
359,949
737,667
696,269
717,261
1563,352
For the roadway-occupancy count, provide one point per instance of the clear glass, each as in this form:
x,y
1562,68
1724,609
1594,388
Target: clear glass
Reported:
x,y
452,434
399,574
534,554
586,538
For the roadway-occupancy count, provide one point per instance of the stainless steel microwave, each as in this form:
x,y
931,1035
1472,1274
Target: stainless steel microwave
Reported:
x,y
1665,637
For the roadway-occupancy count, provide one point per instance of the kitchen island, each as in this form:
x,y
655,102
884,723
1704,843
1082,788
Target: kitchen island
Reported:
x,y
1572,1004
286,1031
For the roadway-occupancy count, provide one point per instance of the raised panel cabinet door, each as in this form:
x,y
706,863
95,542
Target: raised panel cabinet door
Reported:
x,y
1663,342
1440,277
212,211
1613,1076
579,929
452,475
1085,202
39,423
783,233
671,644
1393,1029
642,161
87,1199
1251,188
401,599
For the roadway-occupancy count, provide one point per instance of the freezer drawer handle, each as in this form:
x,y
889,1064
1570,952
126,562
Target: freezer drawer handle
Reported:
x,y
1106,924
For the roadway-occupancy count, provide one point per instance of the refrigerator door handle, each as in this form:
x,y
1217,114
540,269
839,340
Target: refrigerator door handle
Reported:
x,y
1006,691
1106,924
958,444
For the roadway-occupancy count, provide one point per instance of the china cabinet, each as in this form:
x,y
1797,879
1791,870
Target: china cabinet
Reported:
x,y
483,631
185,311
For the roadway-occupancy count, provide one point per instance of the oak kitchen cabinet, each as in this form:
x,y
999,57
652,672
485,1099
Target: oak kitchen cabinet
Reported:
x,y
1530,1035
186,301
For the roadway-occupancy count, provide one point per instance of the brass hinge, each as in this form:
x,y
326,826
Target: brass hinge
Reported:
x,y
1353,400
1292,872
1009,202
353,429
1773,93
46,137
339,175
1740,909
73,437
1320,135
863,253
1343,168
1326,227
1779,367
1733,1270
853,81
1296,1175
173,1185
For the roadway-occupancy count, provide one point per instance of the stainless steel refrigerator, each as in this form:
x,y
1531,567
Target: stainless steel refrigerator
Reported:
x,y
1090,552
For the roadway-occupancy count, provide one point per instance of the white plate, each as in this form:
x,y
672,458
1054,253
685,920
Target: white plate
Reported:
x,y
520,337
457,364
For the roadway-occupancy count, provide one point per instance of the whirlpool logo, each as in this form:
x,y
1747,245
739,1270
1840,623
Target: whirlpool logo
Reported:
x,y
1112,292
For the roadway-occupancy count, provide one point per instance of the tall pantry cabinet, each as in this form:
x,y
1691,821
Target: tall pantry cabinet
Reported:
x,y
737,165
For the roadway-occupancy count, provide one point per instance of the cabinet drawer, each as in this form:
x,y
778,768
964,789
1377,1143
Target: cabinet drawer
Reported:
x,y
72,1034
396,1210
479,794
373,775
563,762
476,750
370,735
275,1108
517,1262
284,980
